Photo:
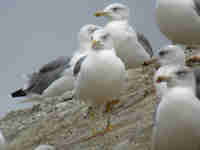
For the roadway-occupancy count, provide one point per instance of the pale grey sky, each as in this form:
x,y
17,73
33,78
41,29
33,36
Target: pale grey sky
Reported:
x,y
33,32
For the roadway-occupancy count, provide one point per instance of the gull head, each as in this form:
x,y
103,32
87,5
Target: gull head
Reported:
x,y
101,39
86,33
170,54
114,11
181,76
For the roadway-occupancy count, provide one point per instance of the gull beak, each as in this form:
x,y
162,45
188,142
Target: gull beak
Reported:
x,y
100,13
94,43
152,61
162,79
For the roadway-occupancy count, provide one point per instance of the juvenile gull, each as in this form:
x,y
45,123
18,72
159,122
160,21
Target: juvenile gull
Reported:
x,y
101,75
177,119
56,77
179,20
127,42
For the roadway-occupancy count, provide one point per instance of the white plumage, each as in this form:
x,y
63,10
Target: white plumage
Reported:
x,y
84,38
179,20
56,77
169,57
126,44
66,82
102,73
177,119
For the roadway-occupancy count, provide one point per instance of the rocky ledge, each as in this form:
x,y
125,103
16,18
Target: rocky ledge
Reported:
x,y
62,121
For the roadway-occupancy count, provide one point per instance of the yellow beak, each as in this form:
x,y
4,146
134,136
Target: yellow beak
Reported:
x,y
100,13
152,61
162,79
94,43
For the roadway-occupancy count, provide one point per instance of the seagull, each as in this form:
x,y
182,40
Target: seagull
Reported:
x,y
179,20
45,147
84,38
56,77
133,48
3,143
100,76
48,81
177,118
168,57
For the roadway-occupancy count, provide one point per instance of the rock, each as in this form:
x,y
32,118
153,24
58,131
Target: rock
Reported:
x,y
62,122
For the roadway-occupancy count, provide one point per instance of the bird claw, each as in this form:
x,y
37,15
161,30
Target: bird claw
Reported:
x,y
96,133
108,128
110,104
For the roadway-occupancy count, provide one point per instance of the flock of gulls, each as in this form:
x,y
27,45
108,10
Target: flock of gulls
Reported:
x,y
96,73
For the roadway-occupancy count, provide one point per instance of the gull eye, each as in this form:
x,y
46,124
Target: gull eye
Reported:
x,y
105,37
181,73
115,9
163,53
90,31
91,38
93,30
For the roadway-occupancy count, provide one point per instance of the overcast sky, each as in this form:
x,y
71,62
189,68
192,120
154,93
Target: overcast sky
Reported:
x,y
33,32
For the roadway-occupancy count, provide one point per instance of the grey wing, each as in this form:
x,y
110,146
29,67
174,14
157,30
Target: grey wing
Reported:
x,y
77,66
197,6
145,43
47,74
57,63
197,78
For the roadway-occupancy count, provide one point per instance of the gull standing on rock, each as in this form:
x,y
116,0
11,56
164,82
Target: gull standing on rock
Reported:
x,y
177,118
127,42
179,20
100,75
56,77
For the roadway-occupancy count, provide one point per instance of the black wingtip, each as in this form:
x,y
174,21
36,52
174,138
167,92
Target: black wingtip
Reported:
x,y
18,93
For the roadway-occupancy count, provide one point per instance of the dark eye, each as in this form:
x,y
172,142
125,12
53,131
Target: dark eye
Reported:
x,y
91,38
91,31
115,9
162,53
105,37
181,73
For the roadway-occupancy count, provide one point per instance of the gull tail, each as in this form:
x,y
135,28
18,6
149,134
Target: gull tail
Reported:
x,y
18,93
